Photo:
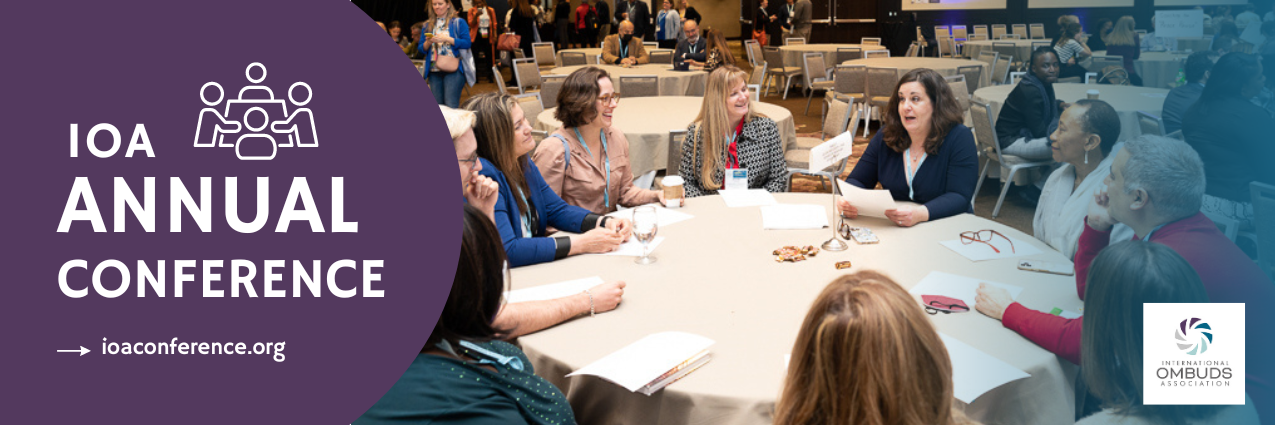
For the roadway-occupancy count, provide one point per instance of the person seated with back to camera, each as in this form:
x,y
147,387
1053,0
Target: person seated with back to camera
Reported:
x,y
867,354
1082,143
1198,67
1030,112
1155,187
923,153
465,373
624,48
1123,278
587,160
728,137
527,206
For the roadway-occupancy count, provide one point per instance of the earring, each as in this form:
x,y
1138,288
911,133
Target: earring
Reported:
x,y
1086,157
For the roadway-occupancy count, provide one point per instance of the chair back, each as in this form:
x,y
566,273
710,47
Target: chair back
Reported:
x,y
943,47
753,49
650,45
870,40
640,85
838,117
1012,37
977,37
981,30
962,93
1015,76
881,82
848,54
794,41
550,86
754,92
1263,198
813,68
998,31
973,75
1001,75
990,58
1100,62
1039,44
674,163
1037,31
573,58
526,73
941,31
913,50
1020,30
543,53
774,59
759,71
663,56
951,47
849,79
876,54
531,106
959,32
1150,123
984,128
500,81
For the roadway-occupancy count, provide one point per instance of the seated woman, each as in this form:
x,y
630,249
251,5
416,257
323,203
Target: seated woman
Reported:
x,y
1086,133
923,153
479,191
1071,51
718,51
527,206
728,135
867,354
464,374
1124,277
587,161
1124,42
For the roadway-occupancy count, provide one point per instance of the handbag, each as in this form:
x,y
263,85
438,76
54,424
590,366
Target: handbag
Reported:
x,y
509,42
760,36
445,63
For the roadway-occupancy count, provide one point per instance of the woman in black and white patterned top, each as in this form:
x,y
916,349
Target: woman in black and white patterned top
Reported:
x,y
727,134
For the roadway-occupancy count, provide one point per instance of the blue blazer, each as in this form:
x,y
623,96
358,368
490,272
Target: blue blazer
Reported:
x,y
550,209
944,183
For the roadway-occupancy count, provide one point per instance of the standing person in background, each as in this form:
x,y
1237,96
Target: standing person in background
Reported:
x,y
636,13
482,33
1124,42
761,23
604,20
801,16
688,13
668,26
586,24
521,20
562,24
449,37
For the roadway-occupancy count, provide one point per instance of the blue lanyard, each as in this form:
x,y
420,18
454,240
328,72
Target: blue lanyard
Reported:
x,y
494,358
606,193
909,172
624,50
1148,238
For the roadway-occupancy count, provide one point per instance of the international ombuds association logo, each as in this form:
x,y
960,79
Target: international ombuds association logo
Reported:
x,y
1194,336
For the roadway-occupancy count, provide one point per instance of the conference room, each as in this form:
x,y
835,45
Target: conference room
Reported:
x,y
822,211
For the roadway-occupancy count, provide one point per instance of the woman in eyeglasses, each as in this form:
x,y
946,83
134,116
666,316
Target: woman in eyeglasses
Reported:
x,y
587,160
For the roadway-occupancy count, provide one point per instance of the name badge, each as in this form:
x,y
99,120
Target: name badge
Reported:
x,y
737,179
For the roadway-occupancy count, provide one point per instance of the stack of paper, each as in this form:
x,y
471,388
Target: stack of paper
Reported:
x,y
747,198
653,362
552,290
791,217
665,216
975,372
872,203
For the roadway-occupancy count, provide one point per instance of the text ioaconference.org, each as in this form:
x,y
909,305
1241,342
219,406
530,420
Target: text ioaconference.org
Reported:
x,y
176,347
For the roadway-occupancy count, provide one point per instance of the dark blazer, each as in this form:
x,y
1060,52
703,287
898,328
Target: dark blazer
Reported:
x,y
1176,104
684,47
1023,112
759,151
549,210
641,17
1233,138
944,183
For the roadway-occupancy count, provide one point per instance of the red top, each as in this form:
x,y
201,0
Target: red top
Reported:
x,y
732,160
581,11
1228,274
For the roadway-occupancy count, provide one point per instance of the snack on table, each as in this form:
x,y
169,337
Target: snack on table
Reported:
x,y
843,265
794,254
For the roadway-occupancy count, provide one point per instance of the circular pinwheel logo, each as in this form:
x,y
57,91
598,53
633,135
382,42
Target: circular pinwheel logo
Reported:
x,y
1194,336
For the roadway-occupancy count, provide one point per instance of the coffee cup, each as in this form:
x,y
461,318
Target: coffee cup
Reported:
x,y
1092,94
674,192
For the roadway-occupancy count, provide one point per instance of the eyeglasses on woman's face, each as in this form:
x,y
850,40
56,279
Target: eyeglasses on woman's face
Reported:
x,y
606,99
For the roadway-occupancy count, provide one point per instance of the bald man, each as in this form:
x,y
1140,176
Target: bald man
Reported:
x,y
624,48
692,47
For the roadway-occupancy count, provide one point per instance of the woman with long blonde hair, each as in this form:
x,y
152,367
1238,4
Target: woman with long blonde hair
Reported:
x,y
729,135
867,354
447,47
1123,41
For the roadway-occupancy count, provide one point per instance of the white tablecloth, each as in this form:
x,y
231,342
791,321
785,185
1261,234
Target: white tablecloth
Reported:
x,y
1158,69
793,54
1127,101
1194,44
943,66
715,276
590,54
672,83
646,122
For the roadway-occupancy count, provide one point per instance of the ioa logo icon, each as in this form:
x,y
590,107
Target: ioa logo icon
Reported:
x,y
1188,366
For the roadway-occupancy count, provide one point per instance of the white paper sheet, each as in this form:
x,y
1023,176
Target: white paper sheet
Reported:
x,y
959,287
633,248
831,151
747,198
872,203
975,372
978,251
643,361
793,216
666,216
552,290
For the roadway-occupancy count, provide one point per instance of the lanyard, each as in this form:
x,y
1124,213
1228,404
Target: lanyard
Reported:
x,y
624,50
494,358
1148,238
606,193
692,45
732,157
908,171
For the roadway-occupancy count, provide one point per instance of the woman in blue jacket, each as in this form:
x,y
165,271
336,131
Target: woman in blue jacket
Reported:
x,y
923,153
449,38
527,207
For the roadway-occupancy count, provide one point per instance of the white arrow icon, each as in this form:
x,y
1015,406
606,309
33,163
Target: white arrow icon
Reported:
x,y
82,351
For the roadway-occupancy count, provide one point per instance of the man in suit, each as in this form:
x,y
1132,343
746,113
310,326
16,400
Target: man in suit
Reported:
x,y
801,16
691,47
1180,99
624,48
637,13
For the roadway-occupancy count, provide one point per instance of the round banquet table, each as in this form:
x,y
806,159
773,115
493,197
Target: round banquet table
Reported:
x,y
1022,48
1127,100
1194,44
944,66
646,122
715,276
1157,69
793,54
590,54
672,83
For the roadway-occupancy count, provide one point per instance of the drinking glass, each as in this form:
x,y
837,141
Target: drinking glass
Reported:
x,y
645,225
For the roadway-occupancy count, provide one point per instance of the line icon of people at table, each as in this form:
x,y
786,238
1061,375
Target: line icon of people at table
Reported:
x,y
255,124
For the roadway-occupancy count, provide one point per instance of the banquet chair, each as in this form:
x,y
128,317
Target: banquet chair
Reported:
x,y
942,31
952,50
959,33
990,58
573,58
1039,44
526,74
1020,30
850,81
1015,76
674,164
962,93
597,59
998,31
1037,31
990,147
1150,123
662,56
753,49
544,55
1262,196
500,81
758,73
531,107
920,40
1001,74
944,49
775,67
981,30
640,85
550,86
1011,37
837,121
794,41
914,50
650,45
816,76
876,54
977,37
880,87
754,92
848,54
870,40
973,75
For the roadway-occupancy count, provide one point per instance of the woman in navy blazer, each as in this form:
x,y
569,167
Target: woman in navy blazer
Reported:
x,y
922,154
527,207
